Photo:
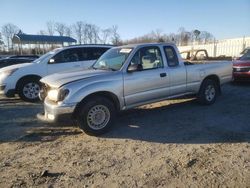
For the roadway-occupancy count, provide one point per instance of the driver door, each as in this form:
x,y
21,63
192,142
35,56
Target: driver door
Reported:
x,y
150,81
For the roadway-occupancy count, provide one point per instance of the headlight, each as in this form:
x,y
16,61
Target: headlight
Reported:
x,y
58,95
7,73
53,94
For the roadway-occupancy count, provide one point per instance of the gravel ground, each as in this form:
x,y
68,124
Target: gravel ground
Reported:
x,y
175,143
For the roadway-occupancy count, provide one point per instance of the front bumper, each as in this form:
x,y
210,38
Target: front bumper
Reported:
x,y
241,76
4,91
55,113
7,86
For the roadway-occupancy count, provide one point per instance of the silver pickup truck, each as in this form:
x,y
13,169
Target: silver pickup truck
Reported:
x,y
126,77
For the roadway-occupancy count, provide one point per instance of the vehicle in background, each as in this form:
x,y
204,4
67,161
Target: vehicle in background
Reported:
x,y
201,56
3,56
241,67
126,77
13,61
245,51
23,79
24,56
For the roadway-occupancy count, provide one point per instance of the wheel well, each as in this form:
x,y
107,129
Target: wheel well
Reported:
x,y
214,78
27,77
112,97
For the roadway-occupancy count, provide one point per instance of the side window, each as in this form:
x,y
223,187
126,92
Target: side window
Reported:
x,y
91,53
68,55
148,58
171,56
97,52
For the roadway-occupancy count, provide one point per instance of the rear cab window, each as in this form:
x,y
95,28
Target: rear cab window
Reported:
x,y
171,56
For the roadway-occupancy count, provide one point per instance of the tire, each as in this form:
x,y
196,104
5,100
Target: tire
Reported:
x,y
96,116
208,92
28,89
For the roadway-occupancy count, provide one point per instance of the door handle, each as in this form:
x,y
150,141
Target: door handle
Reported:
x,y
163,74
77,66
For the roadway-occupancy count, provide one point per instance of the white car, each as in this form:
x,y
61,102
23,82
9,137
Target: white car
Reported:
x,y
23,79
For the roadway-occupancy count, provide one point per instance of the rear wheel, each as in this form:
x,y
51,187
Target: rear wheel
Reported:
x,y
28,89
96,115
208,92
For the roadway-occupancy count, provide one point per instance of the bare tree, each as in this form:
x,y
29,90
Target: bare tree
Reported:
x,y
1,39
105,35
60,28
183,37
42,32
88,34
157,35
50,28
78,29
196,33
206,36
96,33
68,31
8,31
1,42
115,35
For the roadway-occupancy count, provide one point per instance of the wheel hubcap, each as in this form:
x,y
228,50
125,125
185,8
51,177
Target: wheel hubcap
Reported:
x,y
210,93
98,117
31,90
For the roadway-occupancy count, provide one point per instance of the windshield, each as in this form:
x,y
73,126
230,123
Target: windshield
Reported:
x,y
245,51
113,59
246,56
46,56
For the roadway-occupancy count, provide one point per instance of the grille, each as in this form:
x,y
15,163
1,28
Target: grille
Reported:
x,y
242,69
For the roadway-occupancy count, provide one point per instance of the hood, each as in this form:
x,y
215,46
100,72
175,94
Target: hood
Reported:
x,y
15,66
58,79
241,63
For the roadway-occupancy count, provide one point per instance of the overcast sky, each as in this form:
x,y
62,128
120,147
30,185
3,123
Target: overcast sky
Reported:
x,y
223,18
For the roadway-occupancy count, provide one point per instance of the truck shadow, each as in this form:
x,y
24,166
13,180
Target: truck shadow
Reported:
x,y
179,121
48,134
186,123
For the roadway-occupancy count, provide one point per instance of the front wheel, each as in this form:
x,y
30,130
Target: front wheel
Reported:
x,y
28,90
96,116
208,92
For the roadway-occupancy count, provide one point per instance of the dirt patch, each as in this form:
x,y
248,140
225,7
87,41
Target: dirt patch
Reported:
x,y
175,143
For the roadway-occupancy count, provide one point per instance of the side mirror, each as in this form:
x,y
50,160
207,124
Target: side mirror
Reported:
x,y
133,67
51,61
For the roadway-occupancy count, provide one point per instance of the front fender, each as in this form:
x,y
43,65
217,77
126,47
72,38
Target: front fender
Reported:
x,y
114,87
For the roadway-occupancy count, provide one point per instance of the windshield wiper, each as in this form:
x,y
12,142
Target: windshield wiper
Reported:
x,y
104,68
91,67
109,68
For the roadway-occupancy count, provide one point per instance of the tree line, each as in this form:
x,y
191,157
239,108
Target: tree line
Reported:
x,y
86,33
181,38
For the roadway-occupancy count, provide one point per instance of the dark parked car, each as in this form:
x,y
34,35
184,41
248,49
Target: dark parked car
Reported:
x,y
24,56
13,61
241,67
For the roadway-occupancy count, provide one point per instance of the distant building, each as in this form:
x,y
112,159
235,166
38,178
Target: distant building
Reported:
x,y
40,43
227,47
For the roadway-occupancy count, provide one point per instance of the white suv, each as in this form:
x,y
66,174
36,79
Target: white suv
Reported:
x,y
23,79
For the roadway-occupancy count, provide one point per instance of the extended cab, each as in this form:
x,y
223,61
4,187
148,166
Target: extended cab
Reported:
x,y
126,77
23,79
